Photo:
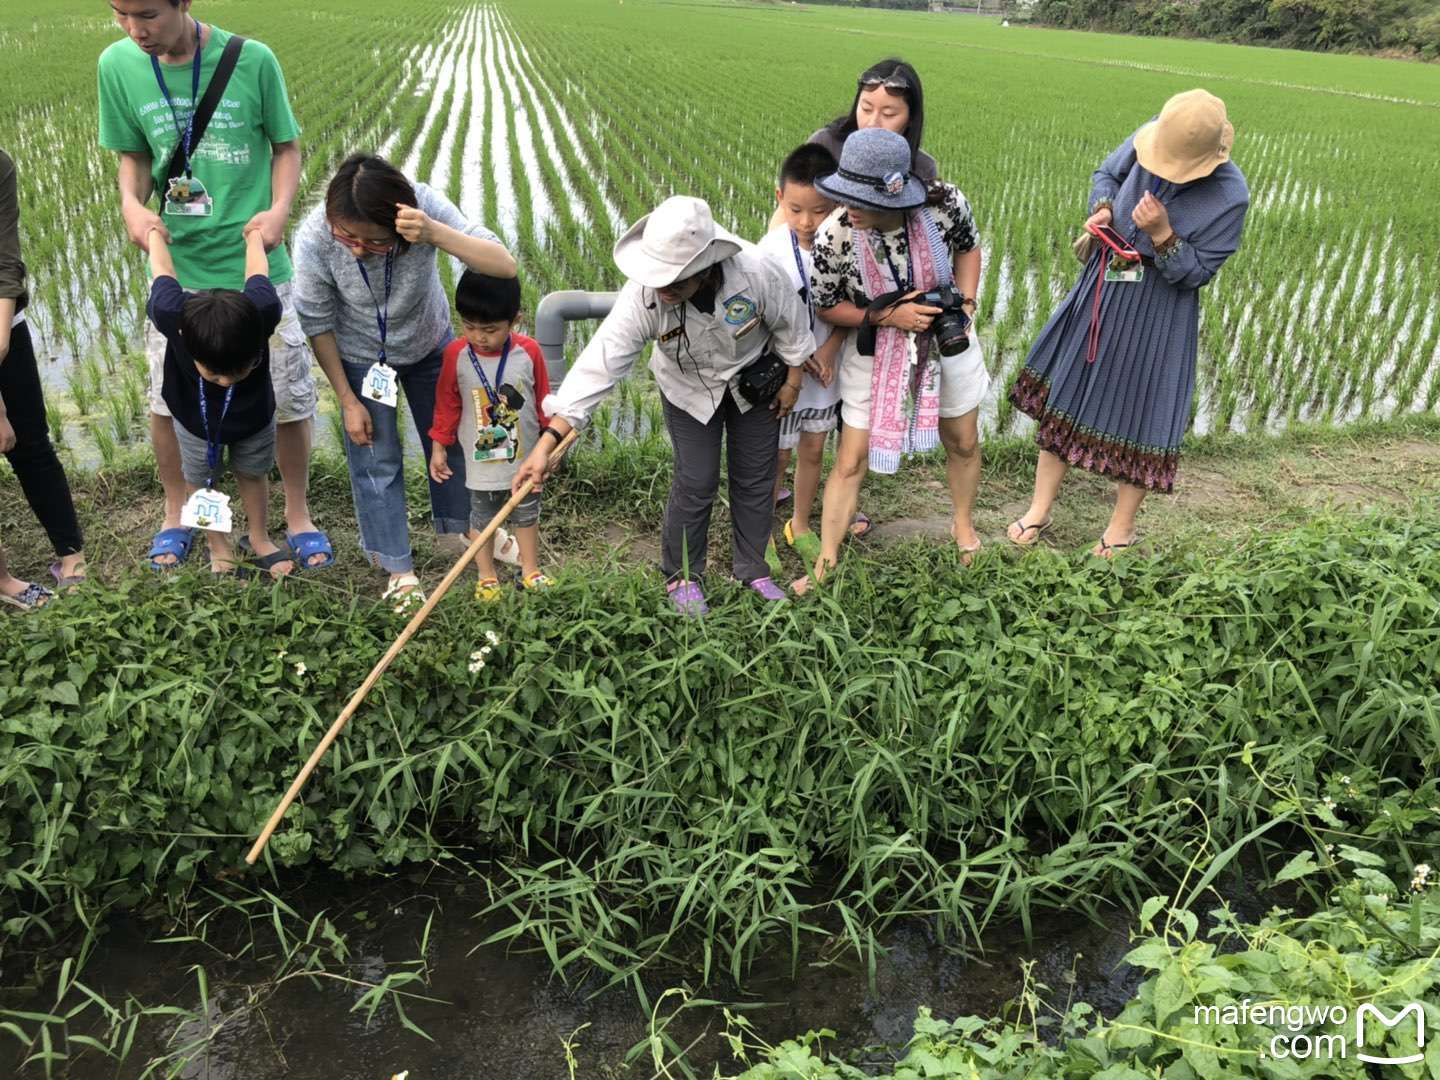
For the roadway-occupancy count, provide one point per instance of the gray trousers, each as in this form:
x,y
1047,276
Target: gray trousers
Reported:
x,y
751,441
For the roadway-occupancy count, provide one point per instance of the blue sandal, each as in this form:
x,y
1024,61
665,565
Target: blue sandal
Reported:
x,y
305,546
171,542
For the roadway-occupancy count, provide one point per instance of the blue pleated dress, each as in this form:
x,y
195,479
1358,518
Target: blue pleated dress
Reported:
x,y
1124,415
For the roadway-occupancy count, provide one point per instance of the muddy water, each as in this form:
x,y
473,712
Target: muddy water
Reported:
x,y
506,1016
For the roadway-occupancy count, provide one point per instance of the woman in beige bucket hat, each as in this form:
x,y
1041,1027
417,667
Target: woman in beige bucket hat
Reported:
x,y
1110,379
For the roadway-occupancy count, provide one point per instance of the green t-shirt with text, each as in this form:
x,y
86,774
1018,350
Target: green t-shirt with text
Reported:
x,y
232,160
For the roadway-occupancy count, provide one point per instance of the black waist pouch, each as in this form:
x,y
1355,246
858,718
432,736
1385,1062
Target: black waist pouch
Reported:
x,y
761,380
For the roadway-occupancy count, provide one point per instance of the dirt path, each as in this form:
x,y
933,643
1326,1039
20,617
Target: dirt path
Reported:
x,y
1226,488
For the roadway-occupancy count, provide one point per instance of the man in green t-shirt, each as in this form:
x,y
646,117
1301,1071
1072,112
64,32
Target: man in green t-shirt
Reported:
x,y
244,168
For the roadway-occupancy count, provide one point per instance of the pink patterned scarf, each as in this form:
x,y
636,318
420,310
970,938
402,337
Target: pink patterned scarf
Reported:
x,y
905,379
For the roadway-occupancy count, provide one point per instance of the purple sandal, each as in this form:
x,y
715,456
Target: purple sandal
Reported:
x,y
767,589
687,597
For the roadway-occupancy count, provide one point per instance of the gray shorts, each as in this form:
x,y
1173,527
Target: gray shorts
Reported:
x,y
250,457
291,365
484,505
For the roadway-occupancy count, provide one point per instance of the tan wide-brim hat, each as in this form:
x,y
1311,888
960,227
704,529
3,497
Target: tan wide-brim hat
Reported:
x,y
676,240
1191,138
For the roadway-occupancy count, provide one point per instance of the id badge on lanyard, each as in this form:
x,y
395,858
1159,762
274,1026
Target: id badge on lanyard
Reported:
x,y
185,195
207,508
380,380
496,425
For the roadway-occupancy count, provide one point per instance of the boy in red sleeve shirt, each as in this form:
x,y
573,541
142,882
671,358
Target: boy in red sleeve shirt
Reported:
x,y
492,382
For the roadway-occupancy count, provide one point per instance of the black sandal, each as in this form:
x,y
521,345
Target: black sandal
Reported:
x,y
1039,531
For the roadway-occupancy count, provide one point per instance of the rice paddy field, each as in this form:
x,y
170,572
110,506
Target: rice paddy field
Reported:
x,y
1016,821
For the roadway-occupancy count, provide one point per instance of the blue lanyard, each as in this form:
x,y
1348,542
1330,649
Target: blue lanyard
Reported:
x,y
187,130
212,447
909,282
804,278
499,370
382,318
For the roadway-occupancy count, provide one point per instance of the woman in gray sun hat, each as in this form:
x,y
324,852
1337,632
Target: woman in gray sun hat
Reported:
x,y
716,309
913,376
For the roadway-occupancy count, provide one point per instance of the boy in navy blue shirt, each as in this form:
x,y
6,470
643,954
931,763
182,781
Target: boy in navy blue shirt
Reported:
x,y
217,387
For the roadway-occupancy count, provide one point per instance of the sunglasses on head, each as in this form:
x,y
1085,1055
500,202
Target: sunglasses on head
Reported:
x,y
890,82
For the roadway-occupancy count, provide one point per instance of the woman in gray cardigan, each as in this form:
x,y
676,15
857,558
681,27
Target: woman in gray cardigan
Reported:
x,y
368,293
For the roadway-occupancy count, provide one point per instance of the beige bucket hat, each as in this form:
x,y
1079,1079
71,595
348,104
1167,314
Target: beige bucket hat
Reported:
x,y
676,240
1191,138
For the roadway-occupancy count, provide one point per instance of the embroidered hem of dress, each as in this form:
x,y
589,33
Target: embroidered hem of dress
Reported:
x,y
1152,468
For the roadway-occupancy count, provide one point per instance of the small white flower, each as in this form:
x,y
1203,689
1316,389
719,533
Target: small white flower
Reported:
x,y
492,637
281,654
1420,877
475,666
1344,779
300,667
1328,803
1329,849
485,651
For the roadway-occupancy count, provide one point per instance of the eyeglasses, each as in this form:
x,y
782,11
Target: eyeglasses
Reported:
x,y
890,82
375,247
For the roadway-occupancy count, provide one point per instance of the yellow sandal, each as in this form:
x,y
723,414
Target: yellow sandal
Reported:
x,y
487,590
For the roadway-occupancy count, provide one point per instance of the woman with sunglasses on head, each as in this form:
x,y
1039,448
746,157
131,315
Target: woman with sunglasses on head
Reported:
x,y
888,95
369,295
912,375
1110,378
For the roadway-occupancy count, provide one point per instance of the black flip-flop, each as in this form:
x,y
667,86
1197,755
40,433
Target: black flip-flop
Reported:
x,y
267,562
1040,529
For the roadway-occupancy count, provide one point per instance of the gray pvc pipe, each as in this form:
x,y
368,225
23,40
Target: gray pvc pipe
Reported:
x,y
558,309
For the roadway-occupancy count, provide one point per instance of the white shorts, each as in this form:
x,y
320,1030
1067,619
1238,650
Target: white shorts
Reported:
x,y
964,381
291,366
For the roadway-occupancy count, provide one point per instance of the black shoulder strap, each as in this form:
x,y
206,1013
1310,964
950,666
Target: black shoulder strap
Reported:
x,y
211,98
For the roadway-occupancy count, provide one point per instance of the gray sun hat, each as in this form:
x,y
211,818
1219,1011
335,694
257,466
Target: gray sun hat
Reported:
x,y
874,173
676,240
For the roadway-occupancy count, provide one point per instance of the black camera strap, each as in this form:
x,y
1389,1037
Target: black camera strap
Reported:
x,y
211,98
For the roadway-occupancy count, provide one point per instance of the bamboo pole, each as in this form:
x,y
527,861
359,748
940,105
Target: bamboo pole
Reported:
x,y
414,625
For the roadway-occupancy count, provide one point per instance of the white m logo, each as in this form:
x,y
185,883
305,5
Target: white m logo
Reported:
x,y
1390,1022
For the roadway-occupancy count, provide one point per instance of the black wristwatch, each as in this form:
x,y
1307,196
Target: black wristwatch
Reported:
x,y
547,430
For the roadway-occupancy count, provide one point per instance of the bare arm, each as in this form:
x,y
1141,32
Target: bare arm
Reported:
x,y
136,186
482,256
156,242
967,272
257,263
7,315
353,413
284,184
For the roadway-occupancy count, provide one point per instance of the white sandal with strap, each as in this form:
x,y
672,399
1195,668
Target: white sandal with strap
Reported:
x,y
405,588
507,548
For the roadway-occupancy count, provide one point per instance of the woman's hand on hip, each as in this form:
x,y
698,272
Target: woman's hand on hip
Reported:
x,y
356,418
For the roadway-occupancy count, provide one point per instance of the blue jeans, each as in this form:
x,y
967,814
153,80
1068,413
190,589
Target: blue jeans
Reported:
x,y
377,472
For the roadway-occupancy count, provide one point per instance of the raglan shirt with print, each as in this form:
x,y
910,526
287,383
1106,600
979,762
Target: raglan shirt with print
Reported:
x,y
232,160
836,270
462,405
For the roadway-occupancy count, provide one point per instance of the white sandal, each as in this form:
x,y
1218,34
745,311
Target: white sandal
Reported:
x,y
507,548
405,588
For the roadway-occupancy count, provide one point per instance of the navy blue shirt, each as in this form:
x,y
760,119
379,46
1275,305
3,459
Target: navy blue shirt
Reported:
x,y
253,406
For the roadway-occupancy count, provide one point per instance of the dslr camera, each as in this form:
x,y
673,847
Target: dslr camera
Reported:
x,y
952,326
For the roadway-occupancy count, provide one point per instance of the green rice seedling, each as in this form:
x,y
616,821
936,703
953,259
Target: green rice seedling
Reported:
x,y
55,420
104,444
79,389
117,413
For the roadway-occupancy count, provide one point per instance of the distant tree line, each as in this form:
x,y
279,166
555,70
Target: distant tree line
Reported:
x,y
1409,26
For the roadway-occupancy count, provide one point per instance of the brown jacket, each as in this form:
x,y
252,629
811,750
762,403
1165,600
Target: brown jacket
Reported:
x,y
12,268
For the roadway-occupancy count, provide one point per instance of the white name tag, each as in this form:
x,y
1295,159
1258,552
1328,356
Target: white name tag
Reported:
x,y
380,385
207,509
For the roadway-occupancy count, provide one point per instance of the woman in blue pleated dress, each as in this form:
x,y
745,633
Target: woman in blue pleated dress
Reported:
x,y
1110,378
